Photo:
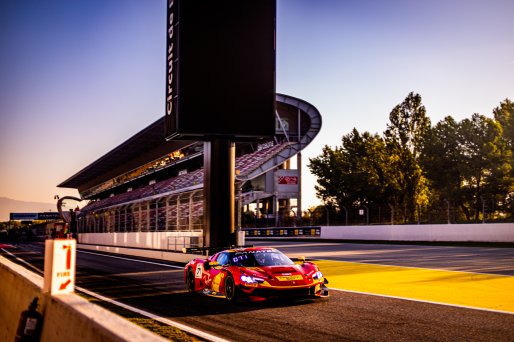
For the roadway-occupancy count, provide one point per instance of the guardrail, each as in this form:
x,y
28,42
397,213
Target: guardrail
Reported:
x,y
179,243
314,231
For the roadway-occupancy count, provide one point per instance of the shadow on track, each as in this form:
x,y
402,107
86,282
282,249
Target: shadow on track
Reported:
x,y
183,304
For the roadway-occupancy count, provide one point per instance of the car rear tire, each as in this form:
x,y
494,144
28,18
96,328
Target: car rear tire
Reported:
x,y
190,281
231,291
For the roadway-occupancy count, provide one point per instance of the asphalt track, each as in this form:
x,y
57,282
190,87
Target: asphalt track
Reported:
x,y
346,316
477,277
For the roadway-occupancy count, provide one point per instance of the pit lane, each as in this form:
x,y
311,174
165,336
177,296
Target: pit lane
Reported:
x,y
157,287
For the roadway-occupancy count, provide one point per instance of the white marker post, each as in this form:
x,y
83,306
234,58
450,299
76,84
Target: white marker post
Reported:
x,y
60,255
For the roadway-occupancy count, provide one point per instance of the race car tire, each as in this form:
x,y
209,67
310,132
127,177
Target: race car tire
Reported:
x,y
231,291
190,281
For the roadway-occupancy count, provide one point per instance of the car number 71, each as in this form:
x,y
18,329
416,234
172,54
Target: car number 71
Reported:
x,y
198,272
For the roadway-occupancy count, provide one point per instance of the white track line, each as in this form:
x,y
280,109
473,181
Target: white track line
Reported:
x,y
23,261
423,301
163,320
415,267
130,259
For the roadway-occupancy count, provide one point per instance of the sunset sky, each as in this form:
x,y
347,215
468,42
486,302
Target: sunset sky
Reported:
x,y
79,77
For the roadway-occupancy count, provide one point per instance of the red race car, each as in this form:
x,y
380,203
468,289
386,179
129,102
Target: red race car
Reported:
x,y
255,274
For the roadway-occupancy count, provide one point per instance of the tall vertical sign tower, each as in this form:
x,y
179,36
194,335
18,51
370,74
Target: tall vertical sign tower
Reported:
x,y
220,88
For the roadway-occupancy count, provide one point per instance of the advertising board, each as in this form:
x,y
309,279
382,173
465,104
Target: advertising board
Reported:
x,y
287,183
34,216
23,216
220,69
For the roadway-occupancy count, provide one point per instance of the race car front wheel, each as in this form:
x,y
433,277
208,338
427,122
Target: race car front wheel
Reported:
x,y
231,291
190,281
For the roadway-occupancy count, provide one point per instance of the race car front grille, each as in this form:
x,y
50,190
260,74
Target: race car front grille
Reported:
x,y
302,292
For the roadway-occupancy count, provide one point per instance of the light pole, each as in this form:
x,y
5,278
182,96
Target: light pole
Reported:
x,y
345,215
448,210
367,214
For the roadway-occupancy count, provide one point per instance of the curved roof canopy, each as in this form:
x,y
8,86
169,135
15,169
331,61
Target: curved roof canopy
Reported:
x,y
149,144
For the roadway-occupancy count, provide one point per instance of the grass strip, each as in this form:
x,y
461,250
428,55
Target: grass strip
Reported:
x,y
164,330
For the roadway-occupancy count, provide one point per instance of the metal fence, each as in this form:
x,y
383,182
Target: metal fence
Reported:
x,y
384,215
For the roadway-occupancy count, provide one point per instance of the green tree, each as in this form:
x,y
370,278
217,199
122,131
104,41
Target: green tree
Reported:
x,y
354,173
441,159
485,162
328,168
504,115
405,136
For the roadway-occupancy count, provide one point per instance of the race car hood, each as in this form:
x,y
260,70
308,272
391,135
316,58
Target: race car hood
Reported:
x,y
272,272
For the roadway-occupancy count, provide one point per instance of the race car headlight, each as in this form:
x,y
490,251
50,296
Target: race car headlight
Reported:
x,y
251,280
317,275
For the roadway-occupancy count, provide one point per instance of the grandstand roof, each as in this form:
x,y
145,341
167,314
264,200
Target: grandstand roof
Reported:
x,y
145,146
149,145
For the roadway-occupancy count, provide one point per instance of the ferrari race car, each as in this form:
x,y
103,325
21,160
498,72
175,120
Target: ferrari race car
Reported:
x,y
255,274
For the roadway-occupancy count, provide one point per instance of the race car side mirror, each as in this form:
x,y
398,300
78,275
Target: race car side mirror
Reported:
x,y
301,259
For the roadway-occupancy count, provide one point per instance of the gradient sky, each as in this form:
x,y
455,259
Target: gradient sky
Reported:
x,y
79,77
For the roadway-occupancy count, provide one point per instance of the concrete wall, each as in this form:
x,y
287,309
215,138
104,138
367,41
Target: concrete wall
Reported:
x,y
153,240
157,245
18,287
162,245
488,232
66,317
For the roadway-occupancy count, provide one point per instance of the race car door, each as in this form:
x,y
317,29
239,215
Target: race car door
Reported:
x,y
217,274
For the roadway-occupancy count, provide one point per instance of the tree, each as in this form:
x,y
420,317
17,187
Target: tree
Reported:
x,y
413,164
408,125
504,115
405,136
354,173
441,159
485,163
467,163
329,168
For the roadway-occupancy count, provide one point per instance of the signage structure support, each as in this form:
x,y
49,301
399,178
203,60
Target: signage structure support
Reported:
x,y
219,160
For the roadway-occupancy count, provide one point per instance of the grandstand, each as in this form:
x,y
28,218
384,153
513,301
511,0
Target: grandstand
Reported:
x,y
148,185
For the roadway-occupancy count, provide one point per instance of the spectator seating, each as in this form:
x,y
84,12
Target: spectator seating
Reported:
x,y
244,165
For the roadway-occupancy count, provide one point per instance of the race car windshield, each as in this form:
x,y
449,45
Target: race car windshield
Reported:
x,y
259,258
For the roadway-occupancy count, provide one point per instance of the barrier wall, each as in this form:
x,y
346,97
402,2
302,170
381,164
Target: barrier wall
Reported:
x,y
487,232
152,240
160,245
66,317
